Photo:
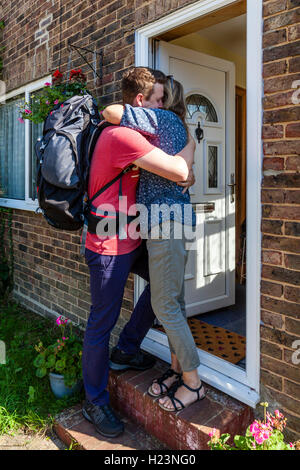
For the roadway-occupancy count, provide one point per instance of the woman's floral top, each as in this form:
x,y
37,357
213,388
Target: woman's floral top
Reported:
x,y
163,198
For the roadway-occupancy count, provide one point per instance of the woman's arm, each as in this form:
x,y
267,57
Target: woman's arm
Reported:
x,y
113,113
143,120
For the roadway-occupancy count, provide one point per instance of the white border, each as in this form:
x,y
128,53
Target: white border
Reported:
x,y
26,204
242,385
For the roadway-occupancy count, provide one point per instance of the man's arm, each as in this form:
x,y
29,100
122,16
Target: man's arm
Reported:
x,y
172,167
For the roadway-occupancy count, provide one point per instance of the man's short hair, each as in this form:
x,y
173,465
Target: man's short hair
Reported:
x,y
140,80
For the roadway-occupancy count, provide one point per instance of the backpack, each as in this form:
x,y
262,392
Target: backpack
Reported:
x,y
64,152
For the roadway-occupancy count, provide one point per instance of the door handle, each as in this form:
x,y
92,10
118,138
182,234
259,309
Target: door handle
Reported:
x,y
232,187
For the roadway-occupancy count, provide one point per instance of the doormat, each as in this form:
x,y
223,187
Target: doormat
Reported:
x,y
218,341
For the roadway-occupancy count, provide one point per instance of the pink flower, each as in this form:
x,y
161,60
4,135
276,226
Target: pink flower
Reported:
x,y
21,120
47,102
58,321
258,438
278,414
47,84
291,445
56,102
212,433
254,427
27,111
61,105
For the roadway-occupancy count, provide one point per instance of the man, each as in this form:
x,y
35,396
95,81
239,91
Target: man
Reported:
x,y
111,259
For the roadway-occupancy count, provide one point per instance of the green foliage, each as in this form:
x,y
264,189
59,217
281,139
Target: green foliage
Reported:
x,y
26,401
260,435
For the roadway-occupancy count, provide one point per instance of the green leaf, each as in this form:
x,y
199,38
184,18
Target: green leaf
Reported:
x,y
31,394
241,442
39,361
60,365
50,361
41,372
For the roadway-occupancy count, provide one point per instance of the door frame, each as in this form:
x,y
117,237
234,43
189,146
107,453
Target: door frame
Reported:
x,y
243,385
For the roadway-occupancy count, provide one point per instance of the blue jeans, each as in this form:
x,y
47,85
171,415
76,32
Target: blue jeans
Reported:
x,y
108,276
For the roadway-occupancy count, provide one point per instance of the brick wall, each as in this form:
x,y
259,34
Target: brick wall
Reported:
x,y
280,286
50,275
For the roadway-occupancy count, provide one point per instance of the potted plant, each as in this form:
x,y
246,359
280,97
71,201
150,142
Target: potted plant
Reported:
x,y
62,360
53,95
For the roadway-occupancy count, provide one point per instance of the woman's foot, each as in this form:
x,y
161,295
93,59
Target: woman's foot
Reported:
x,y
163,384
184,396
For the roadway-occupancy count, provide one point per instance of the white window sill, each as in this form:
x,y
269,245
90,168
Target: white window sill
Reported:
x,y
17,204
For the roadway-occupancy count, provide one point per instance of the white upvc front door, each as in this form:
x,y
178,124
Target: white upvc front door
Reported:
x,y
209,86
236,382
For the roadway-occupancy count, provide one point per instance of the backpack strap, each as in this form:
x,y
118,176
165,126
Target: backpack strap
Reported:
x,y
88,201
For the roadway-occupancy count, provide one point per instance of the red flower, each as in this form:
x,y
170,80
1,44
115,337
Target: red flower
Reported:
x,y
57,75
77,74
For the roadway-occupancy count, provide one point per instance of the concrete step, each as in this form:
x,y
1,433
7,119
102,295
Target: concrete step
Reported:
x,y
185,430
149,427
78,434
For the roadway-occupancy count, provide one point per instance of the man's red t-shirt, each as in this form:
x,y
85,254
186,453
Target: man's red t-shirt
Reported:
x,y
117,148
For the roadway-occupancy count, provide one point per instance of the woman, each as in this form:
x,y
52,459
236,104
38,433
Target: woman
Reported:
x,y
180,386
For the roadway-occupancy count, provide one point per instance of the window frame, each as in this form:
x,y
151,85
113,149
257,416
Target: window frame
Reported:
x,y
28,203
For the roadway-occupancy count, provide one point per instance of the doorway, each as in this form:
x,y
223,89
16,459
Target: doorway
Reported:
x,y
214,72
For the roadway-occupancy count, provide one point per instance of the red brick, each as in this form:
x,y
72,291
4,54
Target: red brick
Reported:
x,y
270,288
282,19
281,368
294,32
287,147
281,243
292,326
274,7
272,257
292,293
293,163
279,306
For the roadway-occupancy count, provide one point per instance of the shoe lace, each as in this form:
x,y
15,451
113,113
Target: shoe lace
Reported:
x,y
139,357
107,410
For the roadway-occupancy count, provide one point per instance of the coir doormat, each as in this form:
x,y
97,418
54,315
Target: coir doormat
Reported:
x,y
218,341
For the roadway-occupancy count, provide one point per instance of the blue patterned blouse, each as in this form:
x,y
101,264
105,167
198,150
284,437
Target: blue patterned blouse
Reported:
x,y
165,130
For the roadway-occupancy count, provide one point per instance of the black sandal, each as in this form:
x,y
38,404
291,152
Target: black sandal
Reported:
x,y
174,399
169,373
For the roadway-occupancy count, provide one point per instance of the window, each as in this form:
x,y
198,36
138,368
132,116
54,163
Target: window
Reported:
x,y
12,162
195,103
17,156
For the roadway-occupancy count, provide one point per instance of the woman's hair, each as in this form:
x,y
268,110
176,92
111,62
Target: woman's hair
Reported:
x,y
174,99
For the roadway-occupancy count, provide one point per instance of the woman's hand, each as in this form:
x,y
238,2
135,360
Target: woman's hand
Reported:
x,y
189,182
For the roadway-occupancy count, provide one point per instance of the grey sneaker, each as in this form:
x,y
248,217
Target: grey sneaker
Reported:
x,y
103,418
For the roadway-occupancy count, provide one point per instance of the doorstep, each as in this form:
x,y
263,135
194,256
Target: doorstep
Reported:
x,y
79,434
185,430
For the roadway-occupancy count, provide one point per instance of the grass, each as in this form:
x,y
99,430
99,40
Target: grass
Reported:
x,y
26,402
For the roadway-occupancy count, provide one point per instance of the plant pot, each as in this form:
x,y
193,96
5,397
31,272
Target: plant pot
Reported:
x,y
59,388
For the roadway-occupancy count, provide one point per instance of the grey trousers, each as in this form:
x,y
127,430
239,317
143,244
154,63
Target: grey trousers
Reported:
x,y
167,261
